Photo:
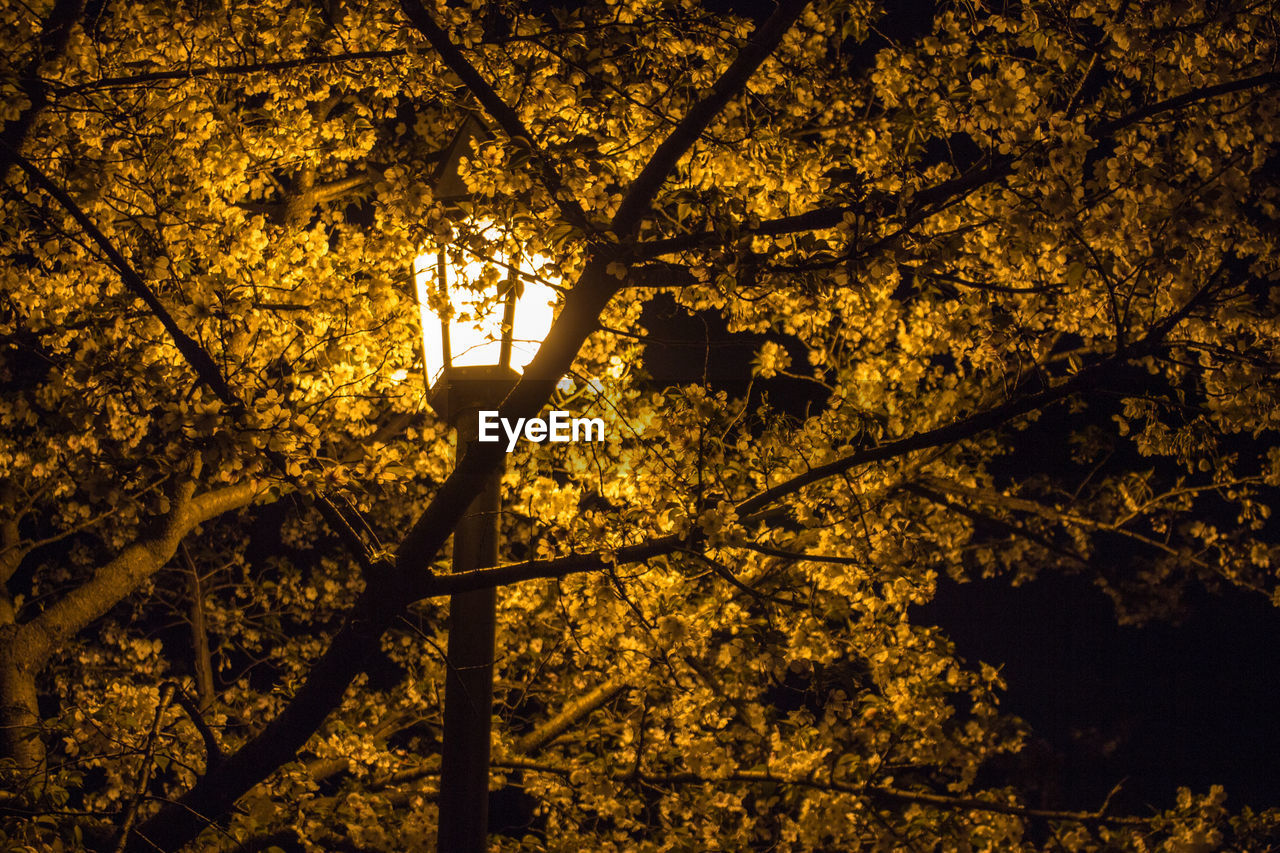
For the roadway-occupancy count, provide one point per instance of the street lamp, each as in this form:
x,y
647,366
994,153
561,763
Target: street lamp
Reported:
x,y
484,312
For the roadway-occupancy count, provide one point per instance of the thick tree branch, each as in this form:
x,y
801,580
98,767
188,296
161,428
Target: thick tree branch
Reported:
x,y
571,714
811,220
202,659
557,567
596,561
953,432
38,638
573,564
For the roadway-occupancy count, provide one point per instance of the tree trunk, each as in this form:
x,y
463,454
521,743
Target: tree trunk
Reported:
x,y
21,736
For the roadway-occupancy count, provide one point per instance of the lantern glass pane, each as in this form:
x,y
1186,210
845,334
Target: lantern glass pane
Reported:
x,y
473,300
424,278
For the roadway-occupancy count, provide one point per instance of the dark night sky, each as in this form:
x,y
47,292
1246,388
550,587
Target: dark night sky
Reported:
x,y
1191,704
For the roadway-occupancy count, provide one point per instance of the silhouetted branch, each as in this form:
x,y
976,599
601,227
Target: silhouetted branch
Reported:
x,y
762,42
55,31
498,110
874,792
1088,377
571,714
192,352
198,71
212,750
930,201
144,770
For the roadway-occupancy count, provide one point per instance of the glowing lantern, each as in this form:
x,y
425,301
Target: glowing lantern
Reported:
x,y
485,305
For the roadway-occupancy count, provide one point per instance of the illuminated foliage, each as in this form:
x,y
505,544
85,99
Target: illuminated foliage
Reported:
x,y
1020,264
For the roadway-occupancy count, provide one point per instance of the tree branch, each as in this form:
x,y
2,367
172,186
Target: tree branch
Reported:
x,y
194,354
191,351
144,770
1086,378
202,661
513,573
55,32
932,200
572,713
198,71
811,220
556,567
498,110
212,751
798,556
39,637
1006,526
1204,93
1057,516
881,792
645,187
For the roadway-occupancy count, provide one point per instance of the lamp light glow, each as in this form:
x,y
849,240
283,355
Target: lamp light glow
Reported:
x,y
470,316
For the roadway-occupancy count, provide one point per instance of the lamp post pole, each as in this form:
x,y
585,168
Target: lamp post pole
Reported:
x,y
478,344
468,695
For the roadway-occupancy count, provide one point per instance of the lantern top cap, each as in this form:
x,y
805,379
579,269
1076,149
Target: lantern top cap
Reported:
x,y
447,183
